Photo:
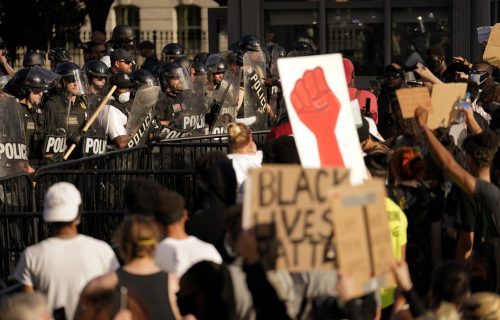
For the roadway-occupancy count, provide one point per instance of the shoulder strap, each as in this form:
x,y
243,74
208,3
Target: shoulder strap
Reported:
x,y
119,106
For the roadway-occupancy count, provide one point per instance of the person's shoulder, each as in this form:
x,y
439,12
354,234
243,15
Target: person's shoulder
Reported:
x,y
488,189
93,242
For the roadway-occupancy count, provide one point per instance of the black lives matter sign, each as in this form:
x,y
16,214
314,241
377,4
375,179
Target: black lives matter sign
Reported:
x,y
289,208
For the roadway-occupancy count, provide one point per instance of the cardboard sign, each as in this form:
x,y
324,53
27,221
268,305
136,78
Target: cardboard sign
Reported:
x,y
362,236
412,98
319,109
289,208
444,98
492,51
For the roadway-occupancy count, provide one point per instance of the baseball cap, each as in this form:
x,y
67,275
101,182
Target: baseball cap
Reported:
x,y
61,203
121,54
121,80
394,68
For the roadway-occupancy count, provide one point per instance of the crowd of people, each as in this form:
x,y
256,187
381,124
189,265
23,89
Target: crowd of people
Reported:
x,y
443,196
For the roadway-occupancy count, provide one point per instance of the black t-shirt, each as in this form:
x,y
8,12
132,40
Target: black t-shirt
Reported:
x,y
487,196
464,207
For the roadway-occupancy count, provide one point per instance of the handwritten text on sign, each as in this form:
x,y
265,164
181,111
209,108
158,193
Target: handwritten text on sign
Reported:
x,y
290,210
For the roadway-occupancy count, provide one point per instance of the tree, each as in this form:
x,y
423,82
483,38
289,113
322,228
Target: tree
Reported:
x,y
98,11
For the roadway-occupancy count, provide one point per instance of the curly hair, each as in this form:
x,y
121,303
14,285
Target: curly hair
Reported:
x,y
407,164
481,147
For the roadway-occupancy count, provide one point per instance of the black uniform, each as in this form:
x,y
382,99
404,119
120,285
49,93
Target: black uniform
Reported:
x,y
34,121
169,108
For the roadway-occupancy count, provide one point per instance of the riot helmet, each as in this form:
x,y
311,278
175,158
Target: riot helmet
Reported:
x,y
302,48
33,58
183,61
172,51
249,43
122,37
96,68
27,80
71,74
142,77
198,69
167,72
276,51
201,57
59,54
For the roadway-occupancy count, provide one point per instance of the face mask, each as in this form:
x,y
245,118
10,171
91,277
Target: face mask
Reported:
x,y
124,97
433,65
478,78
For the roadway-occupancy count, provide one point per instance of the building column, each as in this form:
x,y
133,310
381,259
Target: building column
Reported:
x,y
481,16
252,18
234,20
460,28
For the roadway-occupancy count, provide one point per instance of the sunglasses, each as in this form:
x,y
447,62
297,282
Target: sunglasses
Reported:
x,y
126,62
100,78
392,75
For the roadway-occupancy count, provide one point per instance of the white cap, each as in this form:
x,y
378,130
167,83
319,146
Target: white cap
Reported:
x,y
61,203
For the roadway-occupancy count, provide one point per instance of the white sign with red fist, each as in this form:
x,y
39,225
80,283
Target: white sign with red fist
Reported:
x,y
318,105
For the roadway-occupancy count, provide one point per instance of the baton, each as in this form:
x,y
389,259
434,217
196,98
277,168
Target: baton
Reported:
x,y
91,120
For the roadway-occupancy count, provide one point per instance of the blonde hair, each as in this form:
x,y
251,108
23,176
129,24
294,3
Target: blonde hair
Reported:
x,y
482,306
239,135
137,237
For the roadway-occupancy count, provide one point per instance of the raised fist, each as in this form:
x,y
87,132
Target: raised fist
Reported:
x,y
318,108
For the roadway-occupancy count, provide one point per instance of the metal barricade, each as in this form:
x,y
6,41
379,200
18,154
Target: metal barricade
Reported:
x,y
19,223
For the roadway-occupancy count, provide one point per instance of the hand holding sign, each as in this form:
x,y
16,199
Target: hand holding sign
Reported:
x,y
318,108
421,114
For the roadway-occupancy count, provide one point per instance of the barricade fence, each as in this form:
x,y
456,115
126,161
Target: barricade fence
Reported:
x,y
101,180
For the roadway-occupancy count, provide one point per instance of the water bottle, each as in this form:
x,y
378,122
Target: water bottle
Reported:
x,y
462,105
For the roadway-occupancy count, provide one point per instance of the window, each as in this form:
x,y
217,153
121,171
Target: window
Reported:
x,y
286,27
189,27
416,29
359,35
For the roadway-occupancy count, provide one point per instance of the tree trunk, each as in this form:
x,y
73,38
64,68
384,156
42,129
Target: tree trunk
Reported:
x,y
98,11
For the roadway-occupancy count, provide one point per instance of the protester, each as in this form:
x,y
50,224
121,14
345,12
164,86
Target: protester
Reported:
x,y
154,289
60,266
179,251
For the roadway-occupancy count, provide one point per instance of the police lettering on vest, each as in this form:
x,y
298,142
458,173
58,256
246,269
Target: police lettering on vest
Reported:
x,y
93,146
190,121
13,151
54,144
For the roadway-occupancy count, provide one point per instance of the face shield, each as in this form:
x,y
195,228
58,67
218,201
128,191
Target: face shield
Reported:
x,y
75,83
41,79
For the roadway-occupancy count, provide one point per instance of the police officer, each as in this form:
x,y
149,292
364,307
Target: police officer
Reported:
x,y
29,88
216,69
169,106
142,77
57,56
121,61
122,37
97,74
198,72
302,48
33,58
172,51
67,108
114,118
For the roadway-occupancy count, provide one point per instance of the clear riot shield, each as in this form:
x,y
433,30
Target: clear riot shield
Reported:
x,y
140,116
227,98
13,151
255,102
274,62
192,118
94,141
76,83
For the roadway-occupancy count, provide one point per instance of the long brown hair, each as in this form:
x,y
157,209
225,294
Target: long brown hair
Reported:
x,y
137,237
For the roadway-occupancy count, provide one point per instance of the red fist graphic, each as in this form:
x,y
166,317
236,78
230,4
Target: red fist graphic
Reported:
x,y
318,108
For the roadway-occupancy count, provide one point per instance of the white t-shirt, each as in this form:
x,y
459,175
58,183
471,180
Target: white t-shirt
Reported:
x,y
243,162
113,121
177,256
60,268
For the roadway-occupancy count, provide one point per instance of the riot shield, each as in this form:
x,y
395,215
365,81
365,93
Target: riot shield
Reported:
x,y
192,118
94,141
226,97
255,102
140,116
13,151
